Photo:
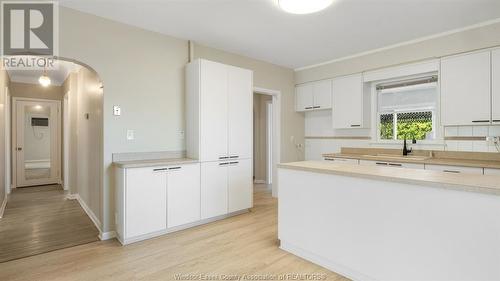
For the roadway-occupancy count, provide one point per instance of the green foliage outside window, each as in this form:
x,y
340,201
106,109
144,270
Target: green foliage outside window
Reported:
x,y
409,124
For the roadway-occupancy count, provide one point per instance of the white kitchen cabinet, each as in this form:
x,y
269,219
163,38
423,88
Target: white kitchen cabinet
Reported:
x,y
313,96
304,97
392,164
465,89
454,169
145,201
495,86
183,194
240,113
219,102
341,160
214,180
348,102
492,172
240,187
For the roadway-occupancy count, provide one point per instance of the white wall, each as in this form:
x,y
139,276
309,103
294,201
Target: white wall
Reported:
x,y
4,82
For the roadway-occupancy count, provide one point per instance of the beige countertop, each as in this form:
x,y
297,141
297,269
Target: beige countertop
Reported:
x,y
465,182
153,162
433,161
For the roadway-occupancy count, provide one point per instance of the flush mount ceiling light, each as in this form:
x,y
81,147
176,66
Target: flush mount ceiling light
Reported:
x,y
304,6
44,80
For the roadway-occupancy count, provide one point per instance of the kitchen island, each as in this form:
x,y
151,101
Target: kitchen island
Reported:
x,y
383,223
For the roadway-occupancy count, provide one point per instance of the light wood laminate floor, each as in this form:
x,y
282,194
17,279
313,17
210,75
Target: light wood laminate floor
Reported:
x,y
244,244
40,219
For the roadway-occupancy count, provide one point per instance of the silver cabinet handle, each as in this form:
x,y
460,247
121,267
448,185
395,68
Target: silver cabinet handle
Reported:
x,y
224,164
451,171
174,168
356,125
381,163
234,156
496,120
223,157
234,163
316,106
309,107
480,121
395,164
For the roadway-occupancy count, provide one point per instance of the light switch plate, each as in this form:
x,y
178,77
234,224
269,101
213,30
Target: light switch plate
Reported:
x,y
117,111
130,134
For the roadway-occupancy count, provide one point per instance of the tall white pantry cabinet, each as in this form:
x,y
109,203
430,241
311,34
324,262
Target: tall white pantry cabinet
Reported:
x,y
219,132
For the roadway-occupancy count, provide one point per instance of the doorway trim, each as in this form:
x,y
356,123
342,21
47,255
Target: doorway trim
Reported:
x,y
65,140
14,135
276,138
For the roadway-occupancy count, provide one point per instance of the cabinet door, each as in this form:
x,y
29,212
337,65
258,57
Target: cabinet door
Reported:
x,y
454,169
213,107
240,112
213,189
146,201
304,97
183,194
492,172
322,94
240,186
341,160
392,164
465,89
495,86
347,102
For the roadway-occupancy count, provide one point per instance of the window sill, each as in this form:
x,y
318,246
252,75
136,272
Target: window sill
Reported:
x,y
427,143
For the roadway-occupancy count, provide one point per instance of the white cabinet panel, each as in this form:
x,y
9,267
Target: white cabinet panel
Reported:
x,y
213,189
341,160
495,86
146,201
492,172
240,112
347,102
240,186
304,99
322,91
183,194
454,169
465,89
213,117
392,164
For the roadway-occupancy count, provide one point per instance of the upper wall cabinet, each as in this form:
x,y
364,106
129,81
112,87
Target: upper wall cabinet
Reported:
x,y
219,111
465,89
495,86
349,104
314,96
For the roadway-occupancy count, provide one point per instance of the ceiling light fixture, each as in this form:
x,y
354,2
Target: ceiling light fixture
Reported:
x,y
44,80
304,6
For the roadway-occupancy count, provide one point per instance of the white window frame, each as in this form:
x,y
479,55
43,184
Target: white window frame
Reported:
x,y
406,110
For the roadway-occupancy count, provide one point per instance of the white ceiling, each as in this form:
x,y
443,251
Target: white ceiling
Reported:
x,y
57,75
259,29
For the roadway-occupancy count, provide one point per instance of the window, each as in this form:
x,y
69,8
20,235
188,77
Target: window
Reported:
x,y
407,109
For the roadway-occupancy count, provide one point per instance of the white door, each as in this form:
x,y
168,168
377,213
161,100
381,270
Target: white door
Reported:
x,y
304,99
213,117
322,94
240,112
183,185
347,102
213,189
146,201
37,142
465,89
240,187
495,86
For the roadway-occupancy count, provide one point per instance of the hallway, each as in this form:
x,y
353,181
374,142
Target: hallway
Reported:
x,y
40,219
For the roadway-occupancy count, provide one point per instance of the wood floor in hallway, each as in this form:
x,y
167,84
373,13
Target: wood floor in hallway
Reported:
x,y
40,219
244,244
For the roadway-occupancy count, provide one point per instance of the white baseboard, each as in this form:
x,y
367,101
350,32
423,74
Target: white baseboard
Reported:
x,y
107,235
91,214
4,204
326,263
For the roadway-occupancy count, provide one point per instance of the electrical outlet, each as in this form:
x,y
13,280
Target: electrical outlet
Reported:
x,y
117,111
182,135
130,134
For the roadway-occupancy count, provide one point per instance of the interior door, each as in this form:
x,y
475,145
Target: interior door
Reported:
x,y
37,143
240,112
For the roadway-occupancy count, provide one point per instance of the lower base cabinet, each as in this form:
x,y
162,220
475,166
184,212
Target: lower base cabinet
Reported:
x,y
183,195
226,187
492,172
391,164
